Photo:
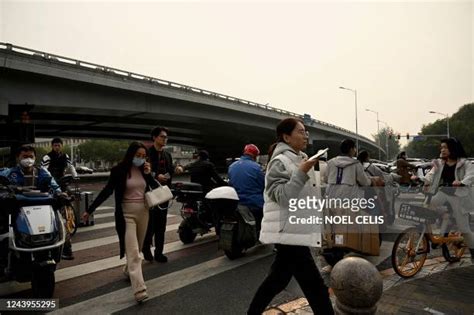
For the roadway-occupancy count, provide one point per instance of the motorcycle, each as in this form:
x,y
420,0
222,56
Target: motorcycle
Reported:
x,y
237,224
197,216
32,235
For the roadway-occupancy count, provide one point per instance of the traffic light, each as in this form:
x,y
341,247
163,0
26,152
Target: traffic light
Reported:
x,y
398,136
408,136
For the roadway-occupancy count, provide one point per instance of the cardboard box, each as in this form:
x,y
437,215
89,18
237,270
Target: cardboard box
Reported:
x,y
361,238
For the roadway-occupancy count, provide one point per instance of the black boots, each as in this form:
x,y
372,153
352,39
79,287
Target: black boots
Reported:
x,y
67,251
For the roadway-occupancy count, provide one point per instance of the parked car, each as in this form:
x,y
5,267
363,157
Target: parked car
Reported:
x,y
102,169
84,170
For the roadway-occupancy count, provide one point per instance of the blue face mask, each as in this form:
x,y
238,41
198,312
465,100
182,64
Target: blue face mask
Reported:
x,y
138,161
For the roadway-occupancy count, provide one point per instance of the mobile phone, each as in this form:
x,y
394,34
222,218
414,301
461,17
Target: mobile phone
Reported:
x,y
319,154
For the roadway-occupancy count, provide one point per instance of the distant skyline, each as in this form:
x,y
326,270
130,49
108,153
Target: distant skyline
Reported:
x,y
403,58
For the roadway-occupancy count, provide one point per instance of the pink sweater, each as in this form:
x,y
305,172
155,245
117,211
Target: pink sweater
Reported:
x,y
135,190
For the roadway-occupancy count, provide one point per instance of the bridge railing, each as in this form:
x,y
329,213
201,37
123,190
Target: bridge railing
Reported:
x,y
131,75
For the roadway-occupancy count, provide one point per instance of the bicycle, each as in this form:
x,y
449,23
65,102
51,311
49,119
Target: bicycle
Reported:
x,y
413,244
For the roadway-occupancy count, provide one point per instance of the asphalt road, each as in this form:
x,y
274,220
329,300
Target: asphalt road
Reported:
x,y
197,279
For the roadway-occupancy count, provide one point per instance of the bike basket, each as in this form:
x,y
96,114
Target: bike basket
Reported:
x,y
417,214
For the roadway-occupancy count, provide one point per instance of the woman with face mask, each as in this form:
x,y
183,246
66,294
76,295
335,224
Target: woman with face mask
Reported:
x,y
130,179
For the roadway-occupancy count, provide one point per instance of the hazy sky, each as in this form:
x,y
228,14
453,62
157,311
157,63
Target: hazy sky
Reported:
x,y
404,58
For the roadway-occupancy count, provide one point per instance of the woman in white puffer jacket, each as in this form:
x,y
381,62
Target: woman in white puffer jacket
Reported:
x,y
290,179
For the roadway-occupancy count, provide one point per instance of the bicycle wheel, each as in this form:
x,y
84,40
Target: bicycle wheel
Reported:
x,y
453,251
406,260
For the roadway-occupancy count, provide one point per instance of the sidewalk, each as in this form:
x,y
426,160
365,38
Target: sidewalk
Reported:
x,y
439,288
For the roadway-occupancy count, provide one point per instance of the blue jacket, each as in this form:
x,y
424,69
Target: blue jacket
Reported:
x,y
44,181
247,177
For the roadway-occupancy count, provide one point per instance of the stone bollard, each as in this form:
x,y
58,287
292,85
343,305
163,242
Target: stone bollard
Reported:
x,y
357,285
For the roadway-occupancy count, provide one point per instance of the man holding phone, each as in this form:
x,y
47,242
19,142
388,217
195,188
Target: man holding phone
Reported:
x,y
162,168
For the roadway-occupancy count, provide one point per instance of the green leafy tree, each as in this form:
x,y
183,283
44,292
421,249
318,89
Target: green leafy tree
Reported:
x,y
383,137
40,152
103,150
461,127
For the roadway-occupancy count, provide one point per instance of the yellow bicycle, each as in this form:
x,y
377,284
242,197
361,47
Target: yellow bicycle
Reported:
x,y
413,244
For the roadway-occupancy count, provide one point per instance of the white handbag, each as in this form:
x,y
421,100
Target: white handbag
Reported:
x,y
158,196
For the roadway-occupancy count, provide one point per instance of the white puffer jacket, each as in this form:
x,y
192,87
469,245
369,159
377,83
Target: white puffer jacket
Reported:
x,y
284,181
464,173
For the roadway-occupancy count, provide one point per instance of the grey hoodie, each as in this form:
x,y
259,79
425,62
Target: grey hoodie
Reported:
x,y
345,175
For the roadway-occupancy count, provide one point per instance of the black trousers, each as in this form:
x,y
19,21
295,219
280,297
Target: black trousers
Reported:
x,y
156,227
293,261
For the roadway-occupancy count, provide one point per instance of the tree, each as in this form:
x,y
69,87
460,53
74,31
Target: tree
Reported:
x,y
393,143
460,125
103,150
40,152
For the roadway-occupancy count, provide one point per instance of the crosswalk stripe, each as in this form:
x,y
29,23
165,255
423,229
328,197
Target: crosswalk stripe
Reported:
x,y
95,227
99,227
123,298
104,208
108,240
99,265
111,214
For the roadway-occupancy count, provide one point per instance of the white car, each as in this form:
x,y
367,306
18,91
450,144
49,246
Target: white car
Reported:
x,y
84,170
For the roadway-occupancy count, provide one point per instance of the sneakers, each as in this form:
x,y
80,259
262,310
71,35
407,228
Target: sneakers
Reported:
x,y
141,296
147,254
161,258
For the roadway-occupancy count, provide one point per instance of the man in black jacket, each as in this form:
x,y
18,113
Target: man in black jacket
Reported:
x,y
58,164
204,172
162,168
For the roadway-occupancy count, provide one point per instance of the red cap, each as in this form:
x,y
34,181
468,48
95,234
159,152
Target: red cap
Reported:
x,y
251,149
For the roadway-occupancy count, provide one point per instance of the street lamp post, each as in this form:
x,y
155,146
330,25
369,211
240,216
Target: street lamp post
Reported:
x,y
447,119
378,131
357,129
386,138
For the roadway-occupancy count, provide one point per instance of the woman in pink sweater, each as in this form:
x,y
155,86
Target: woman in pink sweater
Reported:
x,y
130,179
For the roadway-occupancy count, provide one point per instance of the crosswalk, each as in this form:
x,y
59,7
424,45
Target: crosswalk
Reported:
x,y
96,250
93,283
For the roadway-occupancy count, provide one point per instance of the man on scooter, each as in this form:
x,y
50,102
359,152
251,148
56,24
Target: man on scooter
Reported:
x,y
248,179
203,172
26,174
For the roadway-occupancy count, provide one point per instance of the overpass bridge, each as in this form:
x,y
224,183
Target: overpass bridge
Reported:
x,y
50,95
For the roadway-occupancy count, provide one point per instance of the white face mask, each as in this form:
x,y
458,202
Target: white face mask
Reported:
x,y
28,162
138,161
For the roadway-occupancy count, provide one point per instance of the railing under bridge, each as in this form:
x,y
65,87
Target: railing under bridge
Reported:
x,y
151,80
